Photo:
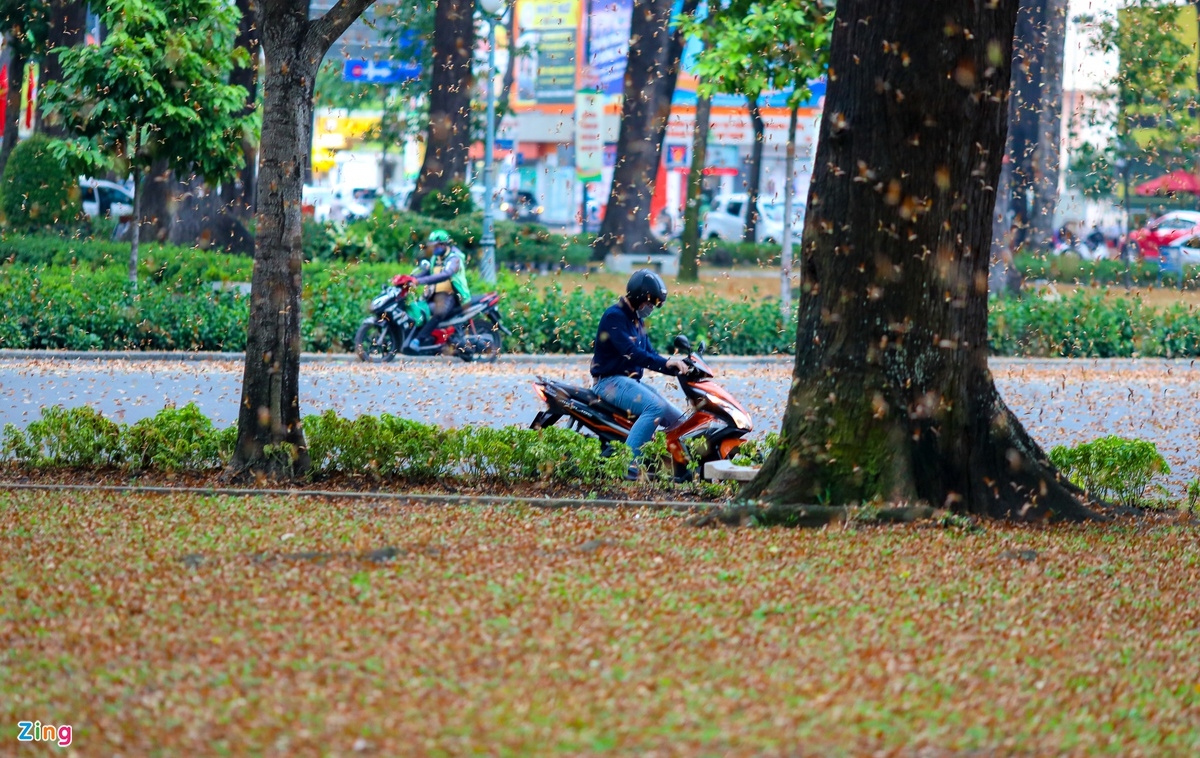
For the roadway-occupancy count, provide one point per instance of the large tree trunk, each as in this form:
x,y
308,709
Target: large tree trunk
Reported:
x,y
159,189
891,397
785,253
12,102
270,436
1003,275
689,257
451,80
650,75
66,29
510,67
1049,135
1024,104
750,234
238,195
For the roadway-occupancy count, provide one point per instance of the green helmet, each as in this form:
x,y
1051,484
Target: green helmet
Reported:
x,y
439,236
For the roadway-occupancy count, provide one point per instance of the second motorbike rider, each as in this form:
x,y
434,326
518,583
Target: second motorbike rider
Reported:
x,y
623,350
444,274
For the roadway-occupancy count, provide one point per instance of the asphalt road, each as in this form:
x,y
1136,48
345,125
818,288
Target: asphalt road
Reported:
x,y
1059,401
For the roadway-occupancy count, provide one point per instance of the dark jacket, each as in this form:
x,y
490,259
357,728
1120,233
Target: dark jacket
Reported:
x,y
622,347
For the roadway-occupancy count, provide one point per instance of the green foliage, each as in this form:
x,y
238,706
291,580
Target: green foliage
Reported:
x,y
1091,326
77,437
37,188
154,87
756,451
379,447
448,203
1112,468
1193,495
177,439
751,47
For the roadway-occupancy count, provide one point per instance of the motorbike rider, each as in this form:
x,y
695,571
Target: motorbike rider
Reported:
x,y
623,351
444,276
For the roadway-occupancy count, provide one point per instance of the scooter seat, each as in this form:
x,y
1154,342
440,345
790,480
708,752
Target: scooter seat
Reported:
x,y
591,398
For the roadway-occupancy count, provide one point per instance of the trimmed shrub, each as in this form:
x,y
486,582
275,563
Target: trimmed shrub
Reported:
x,y
78,437
177,439
1112,468
37,189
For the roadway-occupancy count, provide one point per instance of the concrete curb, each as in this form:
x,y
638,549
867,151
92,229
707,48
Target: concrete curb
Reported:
x,y
187,356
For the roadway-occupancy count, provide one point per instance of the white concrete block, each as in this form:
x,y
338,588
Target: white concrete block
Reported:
x,y
726,470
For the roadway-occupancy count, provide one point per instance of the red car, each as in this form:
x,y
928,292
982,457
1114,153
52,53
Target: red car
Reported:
x,y
1167,228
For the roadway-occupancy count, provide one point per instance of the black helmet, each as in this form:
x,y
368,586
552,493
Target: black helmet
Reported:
x,y
645,286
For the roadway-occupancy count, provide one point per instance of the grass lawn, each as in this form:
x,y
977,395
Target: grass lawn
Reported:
x,y
192,626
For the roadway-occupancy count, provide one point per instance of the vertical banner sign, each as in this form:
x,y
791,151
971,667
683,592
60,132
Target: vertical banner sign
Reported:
x,y
609,43
589,135
546,70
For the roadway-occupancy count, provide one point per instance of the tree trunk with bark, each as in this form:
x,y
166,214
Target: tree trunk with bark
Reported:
x,y
689,257
66,29
448,136
270,436
1003,275
510,66
785,255
750,234
1046,157
1024,103
158,202
891,398
238,195
12,103
650,76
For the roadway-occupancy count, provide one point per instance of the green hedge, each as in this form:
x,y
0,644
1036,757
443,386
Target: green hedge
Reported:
x,y
89,305
183,439
1072,269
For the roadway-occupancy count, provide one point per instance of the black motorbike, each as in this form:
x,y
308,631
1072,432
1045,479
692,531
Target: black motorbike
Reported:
x,y
474,333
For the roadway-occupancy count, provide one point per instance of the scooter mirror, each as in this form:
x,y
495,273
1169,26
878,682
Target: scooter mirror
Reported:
x,y
683,344
700,348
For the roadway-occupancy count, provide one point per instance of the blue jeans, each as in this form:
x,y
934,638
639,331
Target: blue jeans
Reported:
x,y
642,402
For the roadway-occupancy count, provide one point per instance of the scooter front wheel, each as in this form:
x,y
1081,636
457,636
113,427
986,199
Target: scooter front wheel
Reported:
x,y
374,344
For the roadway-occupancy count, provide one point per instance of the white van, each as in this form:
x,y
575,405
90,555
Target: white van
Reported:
x,y
726,220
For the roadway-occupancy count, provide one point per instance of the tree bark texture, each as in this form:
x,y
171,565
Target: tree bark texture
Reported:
x,y
1003,275
238,195
12,104
270,435
66,29
448,136
510,67
158,188
689,258
1024,103
650,76
755,177
1049,134
785,254
891,399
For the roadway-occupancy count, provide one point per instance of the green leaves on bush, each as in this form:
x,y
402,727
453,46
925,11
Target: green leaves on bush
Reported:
x,y
450,202
380,447
37,190
79,437
1112,468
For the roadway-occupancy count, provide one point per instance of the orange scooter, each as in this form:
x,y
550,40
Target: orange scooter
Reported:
x,y
714,416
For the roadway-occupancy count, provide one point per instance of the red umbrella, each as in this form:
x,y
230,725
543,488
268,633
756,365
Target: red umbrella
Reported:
x,y
1176,181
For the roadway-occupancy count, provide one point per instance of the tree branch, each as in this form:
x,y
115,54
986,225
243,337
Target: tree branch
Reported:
x,y
323,31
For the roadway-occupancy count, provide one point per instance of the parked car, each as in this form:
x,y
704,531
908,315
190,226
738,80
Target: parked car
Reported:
x,y
520,206
101,198
726,219
1165,230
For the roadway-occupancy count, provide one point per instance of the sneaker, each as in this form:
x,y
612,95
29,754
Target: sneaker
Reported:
x,y
633,474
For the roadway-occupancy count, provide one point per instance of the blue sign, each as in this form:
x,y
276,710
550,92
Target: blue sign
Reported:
x,y
379,72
